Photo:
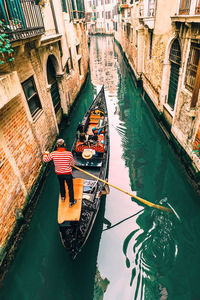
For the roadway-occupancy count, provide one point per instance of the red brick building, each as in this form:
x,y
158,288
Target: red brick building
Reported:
x,y
36,89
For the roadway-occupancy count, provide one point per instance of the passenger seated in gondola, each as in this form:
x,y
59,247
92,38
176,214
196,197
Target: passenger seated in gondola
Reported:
x,y
83,137
79,130
101,124
92,140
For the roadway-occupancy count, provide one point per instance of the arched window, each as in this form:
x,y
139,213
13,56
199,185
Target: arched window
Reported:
x,y
175,60
51,78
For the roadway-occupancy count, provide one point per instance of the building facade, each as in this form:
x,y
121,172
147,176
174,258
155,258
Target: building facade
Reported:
x,y
100,16
37,88
161,42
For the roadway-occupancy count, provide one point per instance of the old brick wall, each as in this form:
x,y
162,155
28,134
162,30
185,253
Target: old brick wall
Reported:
x,y
20,163
22,142
23,138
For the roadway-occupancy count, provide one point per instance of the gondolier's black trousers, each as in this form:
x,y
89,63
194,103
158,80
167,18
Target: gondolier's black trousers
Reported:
x,y
69,180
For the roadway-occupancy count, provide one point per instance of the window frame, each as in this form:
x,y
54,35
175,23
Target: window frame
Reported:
x,y
35,94
67,69
193,67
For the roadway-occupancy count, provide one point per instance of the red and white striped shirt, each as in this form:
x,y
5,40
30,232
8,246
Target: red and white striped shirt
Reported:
x,y
63,160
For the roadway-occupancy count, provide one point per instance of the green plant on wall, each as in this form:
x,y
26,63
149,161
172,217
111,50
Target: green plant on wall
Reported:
x,y
6,51
197,151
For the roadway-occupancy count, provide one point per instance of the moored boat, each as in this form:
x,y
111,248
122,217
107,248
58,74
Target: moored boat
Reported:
x,y
91,157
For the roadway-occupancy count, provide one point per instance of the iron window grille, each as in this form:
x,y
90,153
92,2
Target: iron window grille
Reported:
x,y
175,53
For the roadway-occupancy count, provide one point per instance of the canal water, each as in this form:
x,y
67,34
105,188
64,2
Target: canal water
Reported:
x,y
134,252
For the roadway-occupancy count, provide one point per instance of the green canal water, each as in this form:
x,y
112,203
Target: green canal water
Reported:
x,y
134,252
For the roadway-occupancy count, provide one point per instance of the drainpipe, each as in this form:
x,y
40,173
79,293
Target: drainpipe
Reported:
x,y
54,15
56,28
104,19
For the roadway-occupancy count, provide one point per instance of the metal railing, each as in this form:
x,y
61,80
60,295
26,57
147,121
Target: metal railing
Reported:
x,y
184,7
150,10
77,15
22,19
197,8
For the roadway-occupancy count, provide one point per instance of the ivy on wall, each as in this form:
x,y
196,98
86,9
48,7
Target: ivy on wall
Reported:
x,y
6,51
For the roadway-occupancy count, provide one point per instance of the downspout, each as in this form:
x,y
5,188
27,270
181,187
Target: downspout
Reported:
x,y
56,28
54,16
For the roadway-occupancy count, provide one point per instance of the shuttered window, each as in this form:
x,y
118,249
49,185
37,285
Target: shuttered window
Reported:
x,y
64,5
192,78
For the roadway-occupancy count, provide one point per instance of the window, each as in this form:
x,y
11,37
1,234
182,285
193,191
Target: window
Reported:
x,y
192,74
184,7
77,49
150,43
151,8
71,61
67,67
31,96
79,66
192,66
64,5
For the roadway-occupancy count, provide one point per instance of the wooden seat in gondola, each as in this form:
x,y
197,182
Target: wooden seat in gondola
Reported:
x,y
66,213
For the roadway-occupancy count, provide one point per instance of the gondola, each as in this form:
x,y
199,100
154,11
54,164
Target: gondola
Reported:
x,y
76,222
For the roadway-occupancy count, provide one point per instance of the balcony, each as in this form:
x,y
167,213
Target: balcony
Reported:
x,y
197,9
22,19
189,12
77,15
147,13
10,87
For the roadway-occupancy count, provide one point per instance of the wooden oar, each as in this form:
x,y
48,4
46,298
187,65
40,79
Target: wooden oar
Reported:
x,y
136,197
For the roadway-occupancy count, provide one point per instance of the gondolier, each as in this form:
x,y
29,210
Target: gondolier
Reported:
x,y
63,161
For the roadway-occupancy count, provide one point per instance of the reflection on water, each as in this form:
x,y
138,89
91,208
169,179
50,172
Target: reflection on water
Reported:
x,y
145,254
110,226
154,250
103,63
